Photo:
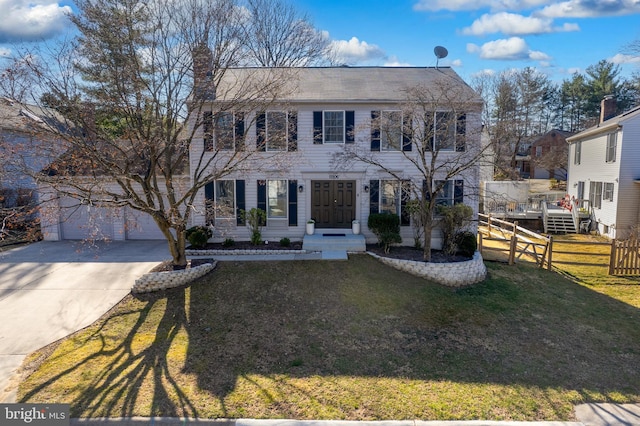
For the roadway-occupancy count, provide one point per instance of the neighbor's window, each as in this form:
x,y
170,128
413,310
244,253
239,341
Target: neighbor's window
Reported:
x,y
391,130
276,130
607,193
277,199
595,194
611,147
577,157
225,206
333,126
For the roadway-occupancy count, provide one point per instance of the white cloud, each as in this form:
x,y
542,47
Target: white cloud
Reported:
x,y
456,63
25,20
514,48
624,59
455,5
355,51
590,8
393,61
514,24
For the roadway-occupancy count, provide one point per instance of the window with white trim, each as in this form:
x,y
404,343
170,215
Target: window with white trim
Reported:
x,y
224,199
276,130
595,194
612,139
333,126
390,197
577,154
277,199
391,137
445,131
607,192
451,192
224,131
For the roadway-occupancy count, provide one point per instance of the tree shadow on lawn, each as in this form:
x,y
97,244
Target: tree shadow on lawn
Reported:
x,y
264,338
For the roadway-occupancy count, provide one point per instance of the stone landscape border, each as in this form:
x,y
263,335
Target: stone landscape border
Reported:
x,y
451,274
240,252
155,281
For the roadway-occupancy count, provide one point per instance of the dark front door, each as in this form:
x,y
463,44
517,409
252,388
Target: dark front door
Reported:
x,y
333,203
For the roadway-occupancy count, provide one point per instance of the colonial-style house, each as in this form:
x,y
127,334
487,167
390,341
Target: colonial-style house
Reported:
x,y
549,155
604,169
330,110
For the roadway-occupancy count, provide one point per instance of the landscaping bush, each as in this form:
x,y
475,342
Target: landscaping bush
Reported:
x,y
285,242
466,243
228,242
453,219
386,227
198,236
255,218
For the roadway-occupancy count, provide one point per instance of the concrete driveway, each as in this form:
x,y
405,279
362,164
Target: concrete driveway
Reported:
x,y
50,289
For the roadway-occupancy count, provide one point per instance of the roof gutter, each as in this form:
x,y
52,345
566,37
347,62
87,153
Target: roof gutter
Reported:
x,y
594,131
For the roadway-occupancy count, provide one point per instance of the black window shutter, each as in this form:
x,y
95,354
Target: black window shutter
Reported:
x,y
407,133
293,203
260,131
239,131
405,196
317,127
375,130
350,126
374,196
426,193
293,131
207,130
262,197
458,192
240,201
461,130
208,203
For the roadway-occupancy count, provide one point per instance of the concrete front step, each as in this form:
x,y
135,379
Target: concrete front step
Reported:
x,y
334,241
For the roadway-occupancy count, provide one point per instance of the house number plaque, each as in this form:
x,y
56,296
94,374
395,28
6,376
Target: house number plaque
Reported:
x,y
334,176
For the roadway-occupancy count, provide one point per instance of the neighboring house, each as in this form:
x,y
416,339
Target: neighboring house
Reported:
x,y
549,156
604,168
331,108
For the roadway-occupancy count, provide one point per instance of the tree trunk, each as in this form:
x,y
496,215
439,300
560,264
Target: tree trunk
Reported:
x,y
177,246
427,227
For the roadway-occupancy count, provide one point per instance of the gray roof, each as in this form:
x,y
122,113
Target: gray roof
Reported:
x,y
19,117
349,84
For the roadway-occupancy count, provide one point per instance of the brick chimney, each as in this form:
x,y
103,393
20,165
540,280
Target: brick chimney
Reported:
x,y
202,63
607,108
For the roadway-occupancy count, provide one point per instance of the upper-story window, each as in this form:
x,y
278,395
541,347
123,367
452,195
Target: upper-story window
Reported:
x,y
333,127
446,131
223,130
577,154
276,130
538,151
391,130
612,139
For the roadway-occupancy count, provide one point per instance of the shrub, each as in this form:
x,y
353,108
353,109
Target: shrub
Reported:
x,y
285,242
255,218
198,236
453,219
228,242
386,227
467,243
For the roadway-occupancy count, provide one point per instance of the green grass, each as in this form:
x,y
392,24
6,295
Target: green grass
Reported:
x,y
350,340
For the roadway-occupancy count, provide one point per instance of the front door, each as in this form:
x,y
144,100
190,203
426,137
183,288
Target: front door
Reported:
x,y
333,203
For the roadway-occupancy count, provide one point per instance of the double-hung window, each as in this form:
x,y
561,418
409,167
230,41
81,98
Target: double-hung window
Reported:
x,y
611,147
390,196
277,199
445,131
451,192
595,194
577,154
333,126
276,130
391,136
224,131
607,192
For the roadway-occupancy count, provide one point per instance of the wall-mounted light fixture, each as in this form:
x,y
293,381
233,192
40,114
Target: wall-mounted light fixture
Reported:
x,y
366,188
300,188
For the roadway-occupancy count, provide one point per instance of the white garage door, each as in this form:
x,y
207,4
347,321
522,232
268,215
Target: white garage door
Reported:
x,y
141,226
81,222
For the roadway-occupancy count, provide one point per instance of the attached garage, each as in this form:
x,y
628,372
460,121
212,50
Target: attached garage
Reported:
x,y
81,222
141,226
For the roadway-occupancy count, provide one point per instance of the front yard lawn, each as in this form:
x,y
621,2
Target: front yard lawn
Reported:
x,y
349,340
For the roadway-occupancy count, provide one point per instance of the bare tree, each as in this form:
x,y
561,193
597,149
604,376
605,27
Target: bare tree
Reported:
x,y
136,88
437,133
277,35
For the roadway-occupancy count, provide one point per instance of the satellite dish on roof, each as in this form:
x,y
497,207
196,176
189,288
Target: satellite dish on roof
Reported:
x,y
440,52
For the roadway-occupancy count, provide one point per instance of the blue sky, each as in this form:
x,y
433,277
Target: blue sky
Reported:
x,y
558,37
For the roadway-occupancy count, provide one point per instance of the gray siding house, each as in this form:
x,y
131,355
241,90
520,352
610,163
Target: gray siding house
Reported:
x,y
300,135
604,168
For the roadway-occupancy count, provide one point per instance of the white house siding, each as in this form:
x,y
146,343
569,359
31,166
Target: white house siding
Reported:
x,y
628,200
313,162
